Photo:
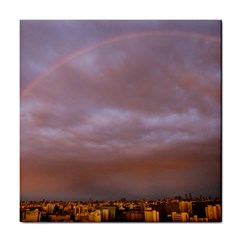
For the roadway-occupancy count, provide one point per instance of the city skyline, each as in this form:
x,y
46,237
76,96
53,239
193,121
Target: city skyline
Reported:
x,y
186,196
176,209
113,109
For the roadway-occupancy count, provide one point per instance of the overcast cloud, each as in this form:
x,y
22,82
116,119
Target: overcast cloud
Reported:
x,y
139,117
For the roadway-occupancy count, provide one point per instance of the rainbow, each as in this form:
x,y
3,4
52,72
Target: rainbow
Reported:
x,y
92,47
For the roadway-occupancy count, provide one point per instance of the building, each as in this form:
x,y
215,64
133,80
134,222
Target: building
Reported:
x,y
81,217
219,212
108,213
198,208
151,215
183,206
135,216
60,218
180,217
31,215
95,216
104,215
172,206
76,210
196,219
161,208
190,210
50,208
213,213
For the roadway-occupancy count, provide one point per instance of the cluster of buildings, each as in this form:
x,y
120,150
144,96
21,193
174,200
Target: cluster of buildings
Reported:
x,y
167,210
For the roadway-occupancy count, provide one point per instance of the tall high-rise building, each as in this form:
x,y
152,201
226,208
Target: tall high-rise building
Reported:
x,y
49,208
212,212
161,208
104,215
155,216
219,212
151,215
172,206
108,213
198,208
190,196
190,210
148,216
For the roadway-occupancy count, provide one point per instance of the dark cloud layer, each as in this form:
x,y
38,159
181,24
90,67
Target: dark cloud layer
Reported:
x,y
138,117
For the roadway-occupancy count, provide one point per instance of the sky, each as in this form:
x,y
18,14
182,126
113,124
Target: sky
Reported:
x,y
112,109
